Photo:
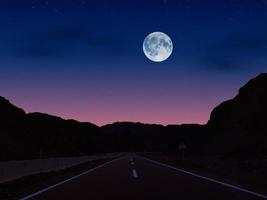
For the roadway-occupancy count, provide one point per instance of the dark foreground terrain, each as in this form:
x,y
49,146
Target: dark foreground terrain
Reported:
x,y
248,173
20,187
237,129
233,144
135,177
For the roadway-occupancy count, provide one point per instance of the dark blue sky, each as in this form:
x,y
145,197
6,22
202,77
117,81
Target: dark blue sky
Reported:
x,y
83,59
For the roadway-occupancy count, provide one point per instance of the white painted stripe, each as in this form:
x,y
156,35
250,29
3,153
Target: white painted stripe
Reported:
x,y
70,179
135,174
208,179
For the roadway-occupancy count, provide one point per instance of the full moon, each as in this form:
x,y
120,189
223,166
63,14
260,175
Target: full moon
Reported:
x,y
157,46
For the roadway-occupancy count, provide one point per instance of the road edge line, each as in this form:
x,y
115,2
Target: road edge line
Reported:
x,y
208,179
69,179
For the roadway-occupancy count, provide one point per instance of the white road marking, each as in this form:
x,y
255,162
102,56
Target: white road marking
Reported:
x,y
208,179
135,174
70,179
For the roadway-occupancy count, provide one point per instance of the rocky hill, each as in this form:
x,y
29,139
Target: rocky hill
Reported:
x,y
239,125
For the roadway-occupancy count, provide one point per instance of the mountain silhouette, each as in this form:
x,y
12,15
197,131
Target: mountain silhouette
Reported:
x,y
12,126
35,135
131,136
247,111
237,127
10,115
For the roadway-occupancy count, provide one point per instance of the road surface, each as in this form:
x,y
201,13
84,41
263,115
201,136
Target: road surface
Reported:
x,y
136,178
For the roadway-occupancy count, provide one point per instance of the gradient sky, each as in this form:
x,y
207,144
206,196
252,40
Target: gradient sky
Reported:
x,y
83,59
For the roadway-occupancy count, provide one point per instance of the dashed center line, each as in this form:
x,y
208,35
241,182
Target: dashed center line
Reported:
x,y
135,174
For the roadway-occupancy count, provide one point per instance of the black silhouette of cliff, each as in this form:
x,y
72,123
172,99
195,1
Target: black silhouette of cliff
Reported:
x,y
247,111
12,126
237,127
36,135
129,136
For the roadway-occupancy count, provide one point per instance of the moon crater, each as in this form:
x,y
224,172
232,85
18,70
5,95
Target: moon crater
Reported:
x,y
157,46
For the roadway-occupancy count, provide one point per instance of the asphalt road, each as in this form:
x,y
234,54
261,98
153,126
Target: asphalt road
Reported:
x,y
136,178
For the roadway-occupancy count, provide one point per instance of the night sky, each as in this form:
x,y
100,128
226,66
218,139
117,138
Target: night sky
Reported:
x,y
83,59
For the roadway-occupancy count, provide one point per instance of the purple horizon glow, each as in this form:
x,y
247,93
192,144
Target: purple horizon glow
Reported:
x,y
85,61
104,103
102,114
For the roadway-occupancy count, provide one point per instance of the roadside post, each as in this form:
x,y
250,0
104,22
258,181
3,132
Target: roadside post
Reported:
x,y
182,148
